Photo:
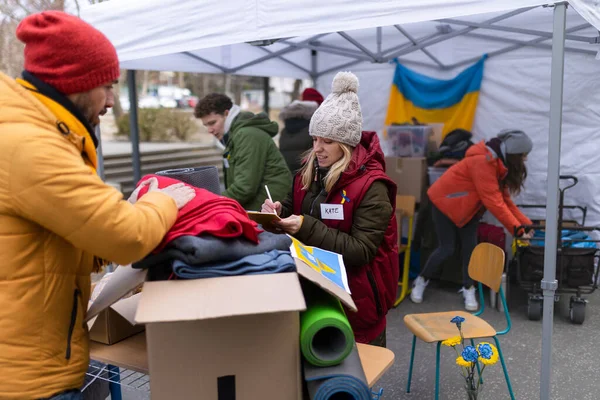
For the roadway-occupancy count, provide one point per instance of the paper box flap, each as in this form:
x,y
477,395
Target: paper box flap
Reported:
x,y
121,282
127,307
199,299
317,278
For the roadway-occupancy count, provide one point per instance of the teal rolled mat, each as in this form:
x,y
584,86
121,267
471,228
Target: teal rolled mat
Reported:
x,y
326,337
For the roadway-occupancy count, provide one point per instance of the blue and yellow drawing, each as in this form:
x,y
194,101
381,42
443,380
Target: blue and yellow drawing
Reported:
x,y
324,262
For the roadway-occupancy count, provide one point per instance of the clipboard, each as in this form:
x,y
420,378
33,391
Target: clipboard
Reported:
x,y
265,219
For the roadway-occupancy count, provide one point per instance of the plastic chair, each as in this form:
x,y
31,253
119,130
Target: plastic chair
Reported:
x,y
405,208
486,266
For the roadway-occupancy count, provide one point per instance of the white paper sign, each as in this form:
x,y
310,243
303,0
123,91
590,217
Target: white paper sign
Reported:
x,y
332,211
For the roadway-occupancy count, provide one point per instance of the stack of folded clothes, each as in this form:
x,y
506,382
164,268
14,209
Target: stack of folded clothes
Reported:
x,y
214,237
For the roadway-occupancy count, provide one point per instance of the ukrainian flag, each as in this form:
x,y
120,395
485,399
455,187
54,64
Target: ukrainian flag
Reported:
x,y
452,102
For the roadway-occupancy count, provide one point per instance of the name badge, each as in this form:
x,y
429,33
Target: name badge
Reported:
x,y
332,211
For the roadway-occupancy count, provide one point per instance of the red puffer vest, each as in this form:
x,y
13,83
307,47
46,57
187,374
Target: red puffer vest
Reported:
x,y
374,285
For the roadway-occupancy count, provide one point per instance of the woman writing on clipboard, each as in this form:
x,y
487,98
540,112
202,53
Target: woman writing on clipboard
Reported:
x,y
343,201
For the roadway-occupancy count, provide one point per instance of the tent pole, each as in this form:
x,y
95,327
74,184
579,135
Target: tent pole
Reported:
x,y
100,155
266,90
134,127
549,283
314,74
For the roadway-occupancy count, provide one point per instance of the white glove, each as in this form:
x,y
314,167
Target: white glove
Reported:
x,y
179,192
526,236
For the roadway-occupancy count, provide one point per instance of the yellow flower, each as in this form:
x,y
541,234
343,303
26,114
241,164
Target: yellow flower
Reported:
x,y
484,356
455,341
461,362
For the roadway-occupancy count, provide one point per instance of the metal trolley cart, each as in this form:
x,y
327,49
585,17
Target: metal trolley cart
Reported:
x,y
577,256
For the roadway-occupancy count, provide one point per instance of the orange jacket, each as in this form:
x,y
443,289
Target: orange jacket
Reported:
x,y
56,217
473,183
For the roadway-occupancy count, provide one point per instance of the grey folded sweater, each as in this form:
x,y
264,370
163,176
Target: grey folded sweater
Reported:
x,y
196,250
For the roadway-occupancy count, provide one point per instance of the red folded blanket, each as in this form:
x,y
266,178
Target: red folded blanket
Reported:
x,y
206,213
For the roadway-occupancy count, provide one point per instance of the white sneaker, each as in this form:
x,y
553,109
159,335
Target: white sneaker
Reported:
x,y
471,303
419,285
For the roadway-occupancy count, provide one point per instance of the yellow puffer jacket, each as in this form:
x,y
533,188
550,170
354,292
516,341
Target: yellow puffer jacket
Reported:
x,y
56,216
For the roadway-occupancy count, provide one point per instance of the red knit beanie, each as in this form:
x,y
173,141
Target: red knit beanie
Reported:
x,y
66,52
311,94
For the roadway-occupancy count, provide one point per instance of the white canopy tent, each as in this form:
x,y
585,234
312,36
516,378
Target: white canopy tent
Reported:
x,y
522,85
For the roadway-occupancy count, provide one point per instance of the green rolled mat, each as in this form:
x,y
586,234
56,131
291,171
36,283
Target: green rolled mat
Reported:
x,y
326,337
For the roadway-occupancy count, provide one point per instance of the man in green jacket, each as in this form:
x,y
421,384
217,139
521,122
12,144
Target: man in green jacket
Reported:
x,y
251,158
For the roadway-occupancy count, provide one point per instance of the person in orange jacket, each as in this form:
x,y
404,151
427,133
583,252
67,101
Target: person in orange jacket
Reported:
x,y
485,179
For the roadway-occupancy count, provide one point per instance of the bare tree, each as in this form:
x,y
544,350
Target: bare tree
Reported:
x,y
296,90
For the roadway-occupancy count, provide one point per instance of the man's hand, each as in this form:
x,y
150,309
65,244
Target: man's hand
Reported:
x,y
271,207
179,192
153,182
291,224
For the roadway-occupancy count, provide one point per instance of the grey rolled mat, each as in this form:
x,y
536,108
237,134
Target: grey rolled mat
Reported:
x,y
345,381
200,177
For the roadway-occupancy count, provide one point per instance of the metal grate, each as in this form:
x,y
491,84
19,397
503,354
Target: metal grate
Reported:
x,y
123,377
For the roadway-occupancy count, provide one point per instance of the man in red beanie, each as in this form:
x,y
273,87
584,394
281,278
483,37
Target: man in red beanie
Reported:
x,y
58,220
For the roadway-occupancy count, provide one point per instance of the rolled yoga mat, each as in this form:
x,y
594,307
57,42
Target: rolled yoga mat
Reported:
x,y
346,381
200,177
326,337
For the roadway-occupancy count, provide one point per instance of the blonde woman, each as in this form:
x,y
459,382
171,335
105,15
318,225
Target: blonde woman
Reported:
x,y
343,201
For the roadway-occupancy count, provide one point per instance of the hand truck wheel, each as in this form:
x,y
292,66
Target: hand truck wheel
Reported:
x,y
577,312
534,309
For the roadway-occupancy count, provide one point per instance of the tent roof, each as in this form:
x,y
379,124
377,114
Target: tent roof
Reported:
x,y
158,35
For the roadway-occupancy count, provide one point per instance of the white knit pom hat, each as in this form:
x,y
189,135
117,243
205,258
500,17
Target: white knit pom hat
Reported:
x,y
339,117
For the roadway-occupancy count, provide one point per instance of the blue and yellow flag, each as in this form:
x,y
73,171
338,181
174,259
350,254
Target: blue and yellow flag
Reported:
x,y
451,102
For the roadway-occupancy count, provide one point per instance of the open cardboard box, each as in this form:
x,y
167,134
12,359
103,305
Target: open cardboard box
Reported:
x,y
116,322
111,317
222,338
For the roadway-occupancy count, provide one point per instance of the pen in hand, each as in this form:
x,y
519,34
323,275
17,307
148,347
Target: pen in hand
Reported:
x,y
270,198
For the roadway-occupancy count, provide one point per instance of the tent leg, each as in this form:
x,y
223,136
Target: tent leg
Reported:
x,y
99,154
134,127
266,91
313,68
549,283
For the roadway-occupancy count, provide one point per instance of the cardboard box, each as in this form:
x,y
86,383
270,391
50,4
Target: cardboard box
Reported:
x,y
436,137
117,322
435,140
211,338
410,175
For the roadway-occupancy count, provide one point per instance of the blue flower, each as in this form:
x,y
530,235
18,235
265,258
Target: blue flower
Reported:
x,y
470,354
458,321
485,350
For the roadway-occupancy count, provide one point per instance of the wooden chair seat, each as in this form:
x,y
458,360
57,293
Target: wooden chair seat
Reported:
x,y
435,327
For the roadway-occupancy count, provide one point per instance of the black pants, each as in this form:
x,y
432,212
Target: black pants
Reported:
x,y
448,233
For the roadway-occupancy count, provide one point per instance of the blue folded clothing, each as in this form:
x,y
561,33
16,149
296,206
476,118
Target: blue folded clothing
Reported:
x,y
274,261
569,238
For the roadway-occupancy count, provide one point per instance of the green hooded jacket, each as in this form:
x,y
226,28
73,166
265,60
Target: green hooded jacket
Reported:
x,y
253,161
